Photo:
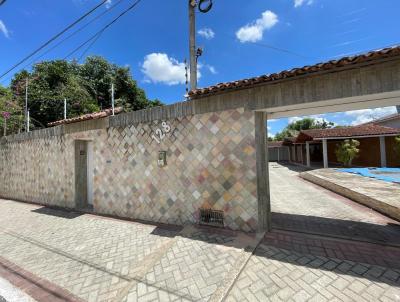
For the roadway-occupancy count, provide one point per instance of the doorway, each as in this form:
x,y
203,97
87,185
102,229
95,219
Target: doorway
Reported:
x,y
298,204
83,175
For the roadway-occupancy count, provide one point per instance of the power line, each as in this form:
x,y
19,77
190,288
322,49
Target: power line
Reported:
x,y
287,51
54,38
280,49
97,34
66,38
90,45
77,31
94,37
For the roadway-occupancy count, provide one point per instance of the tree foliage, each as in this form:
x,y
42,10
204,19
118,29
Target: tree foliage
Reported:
x,y
347,151
306,123
87,88
9,110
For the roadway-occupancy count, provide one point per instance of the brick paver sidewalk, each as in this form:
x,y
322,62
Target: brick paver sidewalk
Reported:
x,y
63,256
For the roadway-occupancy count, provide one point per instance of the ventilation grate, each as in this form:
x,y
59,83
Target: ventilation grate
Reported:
x,y
211,217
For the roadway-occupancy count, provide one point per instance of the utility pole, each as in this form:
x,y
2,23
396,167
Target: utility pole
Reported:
x,y
65,108
192,44
26,107
112,99
195,53
27,121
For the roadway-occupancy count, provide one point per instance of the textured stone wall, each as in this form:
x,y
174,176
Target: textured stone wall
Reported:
x,y
211,163
38,170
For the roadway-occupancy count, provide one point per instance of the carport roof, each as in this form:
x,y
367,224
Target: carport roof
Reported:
x,y
276,144
331,66
346,132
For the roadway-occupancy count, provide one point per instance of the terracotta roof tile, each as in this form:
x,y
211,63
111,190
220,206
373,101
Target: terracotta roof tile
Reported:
x,y
309,69
356,131
90,116
275,144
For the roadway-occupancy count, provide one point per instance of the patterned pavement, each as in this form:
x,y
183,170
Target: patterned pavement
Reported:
x,y
76,257
299,205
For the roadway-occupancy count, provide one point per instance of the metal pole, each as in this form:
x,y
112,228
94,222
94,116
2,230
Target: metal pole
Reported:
x,y
26,106
65,109
192,44
28,121
112,99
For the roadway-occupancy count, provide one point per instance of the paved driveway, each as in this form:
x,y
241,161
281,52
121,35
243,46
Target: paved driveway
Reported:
x,y
299,205
62,256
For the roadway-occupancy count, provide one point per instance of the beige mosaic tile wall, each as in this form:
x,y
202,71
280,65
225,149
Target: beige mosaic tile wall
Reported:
x,y
210,164
39,170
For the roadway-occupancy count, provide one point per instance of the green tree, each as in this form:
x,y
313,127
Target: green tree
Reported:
x,y
309,123
10,113
49,83
347,151
306,123
87,88
98,75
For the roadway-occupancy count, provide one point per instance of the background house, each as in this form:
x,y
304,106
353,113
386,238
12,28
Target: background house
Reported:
x,y
392,121
316,147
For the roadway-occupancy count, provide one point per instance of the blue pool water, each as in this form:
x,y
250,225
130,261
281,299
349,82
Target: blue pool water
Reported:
x,y
385,174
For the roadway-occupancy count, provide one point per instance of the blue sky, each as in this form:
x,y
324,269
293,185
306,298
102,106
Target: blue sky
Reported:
x,y
152,39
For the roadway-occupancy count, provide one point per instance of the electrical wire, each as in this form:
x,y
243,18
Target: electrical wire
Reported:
x,y
95,36
269,46
66,38
54,38
90,45
279,49
77,31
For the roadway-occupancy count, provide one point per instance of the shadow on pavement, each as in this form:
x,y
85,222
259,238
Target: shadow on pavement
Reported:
x,y
57,213
348,229
379,273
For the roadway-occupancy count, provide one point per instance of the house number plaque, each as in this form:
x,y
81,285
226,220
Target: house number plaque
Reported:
x,y
160,133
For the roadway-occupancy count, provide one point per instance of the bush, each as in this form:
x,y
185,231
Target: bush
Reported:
x,y
347,151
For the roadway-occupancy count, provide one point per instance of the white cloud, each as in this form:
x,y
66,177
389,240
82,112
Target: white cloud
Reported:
x,y
254,31
108,3
270,134
159,68
4,30
367,115
207,33
212,69
298,3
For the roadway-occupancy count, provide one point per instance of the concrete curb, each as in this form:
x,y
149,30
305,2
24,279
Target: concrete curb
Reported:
x,y
373,203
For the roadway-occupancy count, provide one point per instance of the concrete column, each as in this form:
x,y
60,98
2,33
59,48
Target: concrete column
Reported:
x,y
383,151
301,154
325,152
308,154
263,193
